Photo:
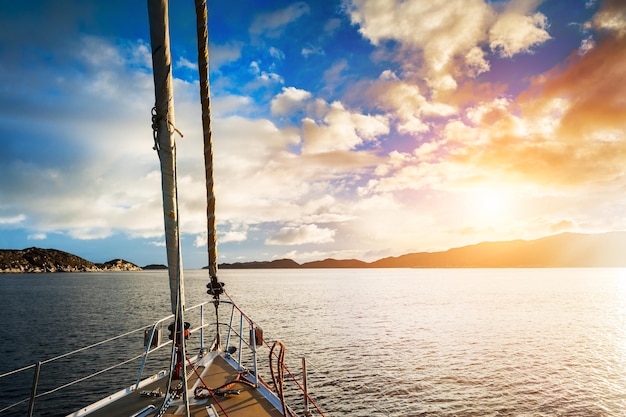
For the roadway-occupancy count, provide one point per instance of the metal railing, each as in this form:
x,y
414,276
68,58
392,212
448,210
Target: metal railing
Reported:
x,y
244,343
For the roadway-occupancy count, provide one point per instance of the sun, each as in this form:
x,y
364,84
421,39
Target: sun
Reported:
x,y
491,205
491,202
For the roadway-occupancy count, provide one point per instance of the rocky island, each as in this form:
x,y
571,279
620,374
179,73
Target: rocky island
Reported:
x,y
52,260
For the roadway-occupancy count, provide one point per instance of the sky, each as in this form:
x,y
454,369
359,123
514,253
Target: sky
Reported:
x,y
346,129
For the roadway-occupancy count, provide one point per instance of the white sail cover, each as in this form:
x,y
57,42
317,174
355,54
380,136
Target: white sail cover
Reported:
x,y
165,144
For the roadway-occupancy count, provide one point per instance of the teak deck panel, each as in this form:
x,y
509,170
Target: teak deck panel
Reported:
x,y
249,403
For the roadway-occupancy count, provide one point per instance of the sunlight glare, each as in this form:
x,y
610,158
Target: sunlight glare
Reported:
x,y
490,204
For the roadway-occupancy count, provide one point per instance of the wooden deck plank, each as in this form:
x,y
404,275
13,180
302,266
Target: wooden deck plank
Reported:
x,y
249,403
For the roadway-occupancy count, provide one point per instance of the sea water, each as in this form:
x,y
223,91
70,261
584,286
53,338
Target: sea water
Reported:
x,y
378,342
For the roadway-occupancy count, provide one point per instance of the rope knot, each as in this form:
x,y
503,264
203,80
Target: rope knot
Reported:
x,y
156,118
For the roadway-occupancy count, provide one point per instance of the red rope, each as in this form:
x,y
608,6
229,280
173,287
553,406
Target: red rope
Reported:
x,y
207,387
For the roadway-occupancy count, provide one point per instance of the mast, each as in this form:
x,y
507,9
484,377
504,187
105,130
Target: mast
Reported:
x,y
165,144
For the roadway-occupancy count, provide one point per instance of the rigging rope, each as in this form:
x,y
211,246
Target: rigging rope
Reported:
x,y
279,379
155,128
202,33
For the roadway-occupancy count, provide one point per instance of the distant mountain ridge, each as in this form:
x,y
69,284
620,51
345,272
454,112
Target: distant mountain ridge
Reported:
x,y
567,250
291,264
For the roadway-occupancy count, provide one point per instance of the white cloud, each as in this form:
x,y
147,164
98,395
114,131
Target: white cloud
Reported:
x,y
224,54
305,177
388,75
450,36
272,24
475,62
309,233
225,106
13,219
341,130
586,45
234,236
261,175
440,30
265,76
408,104
97,184
312,50
185,63
276,53
290,99
514,33
333,75
37,236
331,26
611,17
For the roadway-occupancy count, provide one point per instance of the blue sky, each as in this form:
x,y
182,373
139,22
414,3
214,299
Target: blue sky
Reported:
x,y
344,129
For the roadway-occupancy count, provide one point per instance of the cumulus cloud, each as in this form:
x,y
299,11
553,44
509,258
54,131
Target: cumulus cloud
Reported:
x,y
565,132
586,45
224,54
185,63
291,98
308,233
312,50
451,37
475,62
566,129
611,17
232,235
13,219
333,76
429,136
262,178
113,191
514,34
37,236
408,104
341,130
276,53
264,76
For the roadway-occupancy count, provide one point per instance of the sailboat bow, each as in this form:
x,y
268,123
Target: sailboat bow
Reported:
x,y
223,380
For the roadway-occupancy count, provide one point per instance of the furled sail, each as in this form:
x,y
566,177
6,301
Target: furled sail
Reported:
x,y
165,143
